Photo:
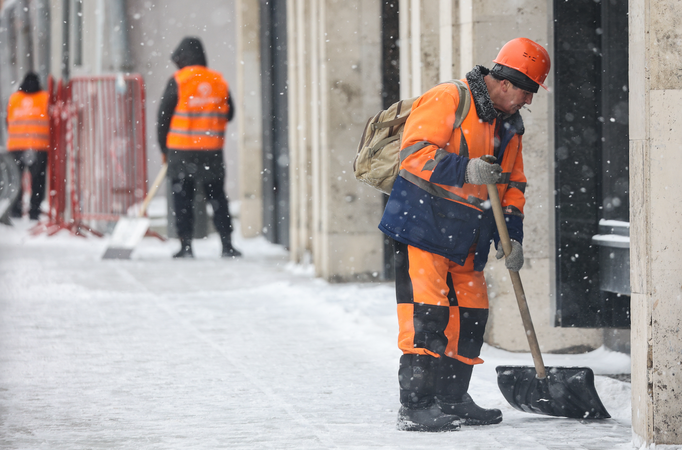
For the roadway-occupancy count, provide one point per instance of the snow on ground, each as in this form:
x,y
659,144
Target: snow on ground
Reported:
x,y
256,353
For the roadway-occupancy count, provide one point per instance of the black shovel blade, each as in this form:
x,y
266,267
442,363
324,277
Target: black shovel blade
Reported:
x,y
566,392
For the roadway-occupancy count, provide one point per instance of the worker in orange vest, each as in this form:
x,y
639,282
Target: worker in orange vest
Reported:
x,y
28,129
192,119
442,226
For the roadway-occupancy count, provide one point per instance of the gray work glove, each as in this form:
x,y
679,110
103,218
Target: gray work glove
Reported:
x,y
482,172
514,261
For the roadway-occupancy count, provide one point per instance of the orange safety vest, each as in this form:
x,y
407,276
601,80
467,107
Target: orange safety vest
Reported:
x,y
200,118
419,156
28,122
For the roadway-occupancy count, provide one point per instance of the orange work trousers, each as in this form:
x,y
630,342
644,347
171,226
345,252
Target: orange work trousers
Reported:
x,y
442,306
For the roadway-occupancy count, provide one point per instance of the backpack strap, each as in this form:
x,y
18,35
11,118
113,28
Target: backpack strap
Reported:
x,y
382,143
460,115
389,123
464,103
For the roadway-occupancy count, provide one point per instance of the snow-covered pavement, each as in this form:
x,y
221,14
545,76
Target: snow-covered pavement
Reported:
x,y
155,353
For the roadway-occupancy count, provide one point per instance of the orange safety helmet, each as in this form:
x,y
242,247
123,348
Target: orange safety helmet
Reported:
x,y
524,63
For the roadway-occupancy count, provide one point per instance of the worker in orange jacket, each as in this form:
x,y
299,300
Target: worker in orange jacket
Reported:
x,y
192,119
442,228
28,141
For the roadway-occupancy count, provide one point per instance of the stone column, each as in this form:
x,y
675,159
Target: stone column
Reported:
x,y
334,71
248,105
300,41
430,31
655,214
422,31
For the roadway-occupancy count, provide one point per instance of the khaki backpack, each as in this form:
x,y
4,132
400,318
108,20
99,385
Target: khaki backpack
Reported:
x,y
377,161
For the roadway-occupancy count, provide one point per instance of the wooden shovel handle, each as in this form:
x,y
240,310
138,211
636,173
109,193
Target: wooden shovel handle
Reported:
x,y
154,188
494,197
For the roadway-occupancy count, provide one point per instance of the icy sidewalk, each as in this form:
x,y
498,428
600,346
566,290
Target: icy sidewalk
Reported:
x,y
154,353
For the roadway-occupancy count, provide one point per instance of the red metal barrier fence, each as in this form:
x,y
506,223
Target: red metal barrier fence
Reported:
x,y
57,155
107,152
99,152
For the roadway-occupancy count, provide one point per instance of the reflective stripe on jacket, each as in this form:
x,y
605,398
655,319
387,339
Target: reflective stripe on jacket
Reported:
x,y
28,122
200,117
431,207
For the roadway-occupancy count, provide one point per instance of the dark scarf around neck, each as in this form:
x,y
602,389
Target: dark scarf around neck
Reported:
x,y
484,105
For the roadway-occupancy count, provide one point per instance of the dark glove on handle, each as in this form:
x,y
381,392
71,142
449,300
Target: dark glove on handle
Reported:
x,y
514,261
480,171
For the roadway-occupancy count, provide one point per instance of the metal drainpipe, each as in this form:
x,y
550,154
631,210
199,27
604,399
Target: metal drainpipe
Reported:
x,y
40,18
120,46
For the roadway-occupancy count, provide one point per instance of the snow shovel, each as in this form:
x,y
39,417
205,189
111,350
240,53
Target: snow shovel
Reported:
x,y
553,391
129,230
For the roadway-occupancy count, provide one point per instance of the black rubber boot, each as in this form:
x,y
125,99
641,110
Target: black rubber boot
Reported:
x,y
470,413
452,378
428,419
419,412
452,384
416,377
185,249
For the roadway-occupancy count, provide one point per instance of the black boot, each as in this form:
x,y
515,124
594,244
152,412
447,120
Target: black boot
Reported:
x,y
419,412
429,419
470,412
185,249
230,252
452,384
416,377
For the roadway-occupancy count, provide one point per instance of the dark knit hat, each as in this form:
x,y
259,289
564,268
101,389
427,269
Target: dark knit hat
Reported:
x,y
31,83
516,78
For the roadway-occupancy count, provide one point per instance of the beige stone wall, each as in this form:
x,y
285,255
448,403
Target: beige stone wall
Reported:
x,y
248,102
334,72
429,44
655,214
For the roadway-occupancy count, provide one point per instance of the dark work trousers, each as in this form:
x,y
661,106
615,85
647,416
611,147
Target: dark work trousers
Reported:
x,y
36,163
183,201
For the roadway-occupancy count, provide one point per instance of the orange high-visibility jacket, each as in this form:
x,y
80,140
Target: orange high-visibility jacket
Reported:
x,y
200,117
429,135
28,122
430,206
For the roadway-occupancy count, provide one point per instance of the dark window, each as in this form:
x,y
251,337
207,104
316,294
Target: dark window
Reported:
x,y
591,156
390,91
273,20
